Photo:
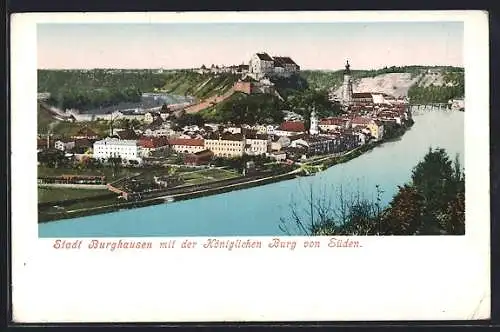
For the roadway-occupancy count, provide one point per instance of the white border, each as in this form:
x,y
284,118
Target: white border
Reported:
x,y
388,279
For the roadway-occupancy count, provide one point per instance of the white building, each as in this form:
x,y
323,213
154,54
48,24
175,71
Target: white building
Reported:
x,y
261,64
314,129
257,144
64,145
114,147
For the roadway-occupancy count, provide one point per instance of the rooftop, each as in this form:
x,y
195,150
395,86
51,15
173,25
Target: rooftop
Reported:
x,y
186,141
116,141
293,126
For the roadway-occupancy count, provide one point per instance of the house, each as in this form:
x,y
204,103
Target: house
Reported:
x,y
316,145
126,134
198,158
362,97
114,147
280,142
64,144
279,156
149,144
257,144
87,133
149,117
233,130
131,114
187,145
288,65
83,145
261,64
226,145
333,124
389,115
376,127
290,128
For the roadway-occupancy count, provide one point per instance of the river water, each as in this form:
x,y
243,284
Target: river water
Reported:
x,y
257,211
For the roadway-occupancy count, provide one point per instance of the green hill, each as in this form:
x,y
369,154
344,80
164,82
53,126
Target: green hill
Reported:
x,y
197,85
241,108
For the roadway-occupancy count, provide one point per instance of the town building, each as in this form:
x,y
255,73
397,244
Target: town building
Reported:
x,y
257,144
376,127
198,158
333,124
290,128
125,134
149,117
280,142
263,65
64,144
279,156
187,145
226,145
114,147
87,133
150,144
131,114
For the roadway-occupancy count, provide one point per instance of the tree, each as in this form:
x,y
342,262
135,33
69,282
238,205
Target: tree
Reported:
x,y
404,215
115,163
303,102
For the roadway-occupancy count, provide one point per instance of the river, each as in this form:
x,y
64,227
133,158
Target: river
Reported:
x,y
257,211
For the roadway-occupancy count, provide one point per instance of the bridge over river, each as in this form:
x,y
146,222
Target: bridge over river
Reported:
x,y
423,108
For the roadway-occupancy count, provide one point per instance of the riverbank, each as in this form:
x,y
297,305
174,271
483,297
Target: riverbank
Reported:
x,y
213,188
165,199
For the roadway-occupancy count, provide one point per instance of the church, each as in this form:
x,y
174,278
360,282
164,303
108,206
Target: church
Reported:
x,y
349,98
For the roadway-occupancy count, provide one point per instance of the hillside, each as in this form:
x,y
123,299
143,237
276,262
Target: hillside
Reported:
x,y
426,83
98,88
197,85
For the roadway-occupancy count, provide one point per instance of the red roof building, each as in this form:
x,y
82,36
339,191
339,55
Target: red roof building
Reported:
x,y
359,120
153,142
293,126
186,141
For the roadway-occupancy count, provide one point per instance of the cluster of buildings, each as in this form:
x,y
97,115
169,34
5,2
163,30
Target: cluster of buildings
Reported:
x,y
367,117
216,69
261,65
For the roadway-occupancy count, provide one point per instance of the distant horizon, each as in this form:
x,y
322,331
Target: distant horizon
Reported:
x,y
191,68
313,46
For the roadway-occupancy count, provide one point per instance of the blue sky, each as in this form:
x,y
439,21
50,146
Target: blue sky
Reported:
x,y
311,45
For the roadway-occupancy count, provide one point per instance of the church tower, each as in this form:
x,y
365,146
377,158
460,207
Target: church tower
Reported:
x,y
347,85
314,130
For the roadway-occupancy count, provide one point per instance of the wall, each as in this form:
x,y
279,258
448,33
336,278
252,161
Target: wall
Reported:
x,y
245,87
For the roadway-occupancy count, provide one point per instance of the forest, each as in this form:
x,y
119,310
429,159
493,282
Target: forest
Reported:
x,y
89,89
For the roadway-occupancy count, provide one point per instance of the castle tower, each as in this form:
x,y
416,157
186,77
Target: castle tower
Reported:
x,y
314,130
347,85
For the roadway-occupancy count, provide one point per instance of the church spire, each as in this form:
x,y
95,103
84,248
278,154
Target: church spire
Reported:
x,y
347,68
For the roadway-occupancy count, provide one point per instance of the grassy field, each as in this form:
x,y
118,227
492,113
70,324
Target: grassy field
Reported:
x,y
58,194
83,205
208,175
104,171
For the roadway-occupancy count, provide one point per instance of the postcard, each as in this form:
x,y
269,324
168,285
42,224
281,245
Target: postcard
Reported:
x,y
250,166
